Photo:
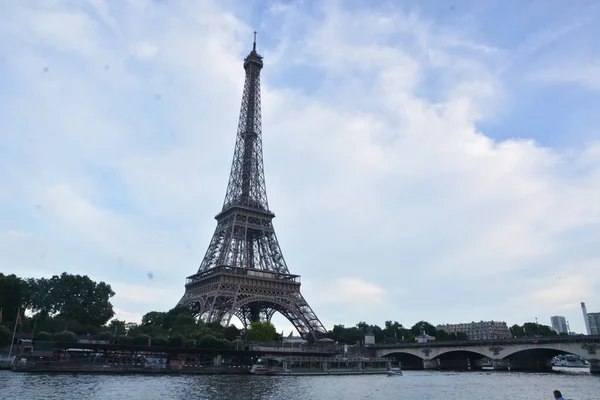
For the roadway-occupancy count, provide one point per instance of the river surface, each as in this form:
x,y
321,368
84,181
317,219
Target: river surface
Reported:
x,y
422,385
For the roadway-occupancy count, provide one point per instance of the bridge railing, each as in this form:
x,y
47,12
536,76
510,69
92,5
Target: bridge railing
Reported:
x,y
461,343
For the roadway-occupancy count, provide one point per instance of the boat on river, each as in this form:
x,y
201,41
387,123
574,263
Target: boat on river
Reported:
x,y
394,372
569,360
314,365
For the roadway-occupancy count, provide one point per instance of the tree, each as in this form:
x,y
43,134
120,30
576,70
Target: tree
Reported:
x,y
117,326
532,329
171,315
231,332
261,332
81,299
363,327
73,297
41,296
5,336
443,335
176,340
423,326
124,340
517,331
153,318
133,329
184,323
13,293
65,336
352,335
104,335
141,340
44,337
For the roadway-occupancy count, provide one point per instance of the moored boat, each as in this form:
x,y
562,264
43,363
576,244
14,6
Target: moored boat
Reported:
x,y
296,365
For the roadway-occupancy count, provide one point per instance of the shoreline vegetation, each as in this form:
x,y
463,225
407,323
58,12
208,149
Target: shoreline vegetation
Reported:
x,y
66,307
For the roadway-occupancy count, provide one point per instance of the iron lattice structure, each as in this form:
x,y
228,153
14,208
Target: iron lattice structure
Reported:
x,y
243,272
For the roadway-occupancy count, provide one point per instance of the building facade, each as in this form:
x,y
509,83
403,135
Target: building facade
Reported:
x,y
559,324
483,330
594,321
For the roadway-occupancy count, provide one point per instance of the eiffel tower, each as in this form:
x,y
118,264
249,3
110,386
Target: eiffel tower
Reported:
x,y
243,272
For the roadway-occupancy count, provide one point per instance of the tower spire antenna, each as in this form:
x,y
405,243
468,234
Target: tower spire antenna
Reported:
x,y
254,44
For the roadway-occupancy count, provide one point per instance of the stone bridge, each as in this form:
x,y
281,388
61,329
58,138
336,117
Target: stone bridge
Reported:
x,y
514,354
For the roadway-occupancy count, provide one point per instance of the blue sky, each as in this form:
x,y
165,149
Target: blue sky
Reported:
x,y
435,162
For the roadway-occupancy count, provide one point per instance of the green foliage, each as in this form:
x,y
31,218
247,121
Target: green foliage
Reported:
x,y
176,340
141,340
79,298
532,329
44,337
5,336
231,332
105,335
171,315
124,340
65,336
13,295
183,324
352,335
262,332
423,326
393,332
160,341
83,304
118,327
207,342
443,335
517,331
153,318
133,329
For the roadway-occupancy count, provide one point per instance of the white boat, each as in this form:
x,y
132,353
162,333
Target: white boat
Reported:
x,y
569,361
394,372
260,369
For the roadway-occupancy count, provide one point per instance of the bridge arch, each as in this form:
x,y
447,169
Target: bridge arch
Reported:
x,y
407,359
459,359
470,352
548,351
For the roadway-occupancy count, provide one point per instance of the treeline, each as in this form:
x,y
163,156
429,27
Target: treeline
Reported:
x,y
65,307
178,327
395,332
533,329
392,332
66,297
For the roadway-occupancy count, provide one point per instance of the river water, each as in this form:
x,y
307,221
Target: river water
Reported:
x,y
422,385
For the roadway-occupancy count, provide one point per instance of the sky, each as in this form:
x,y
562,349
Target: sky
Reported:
x,y
434,161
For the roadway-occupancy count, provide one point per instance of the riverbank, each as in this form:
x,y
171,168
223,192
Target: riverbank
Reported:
x,y
95,368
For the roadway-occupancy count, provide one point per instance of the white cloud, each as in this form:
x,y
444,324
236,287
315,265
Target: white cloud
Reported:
x,y
123,315
18,233
149,295
355,291
386,186
144,50
585,73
